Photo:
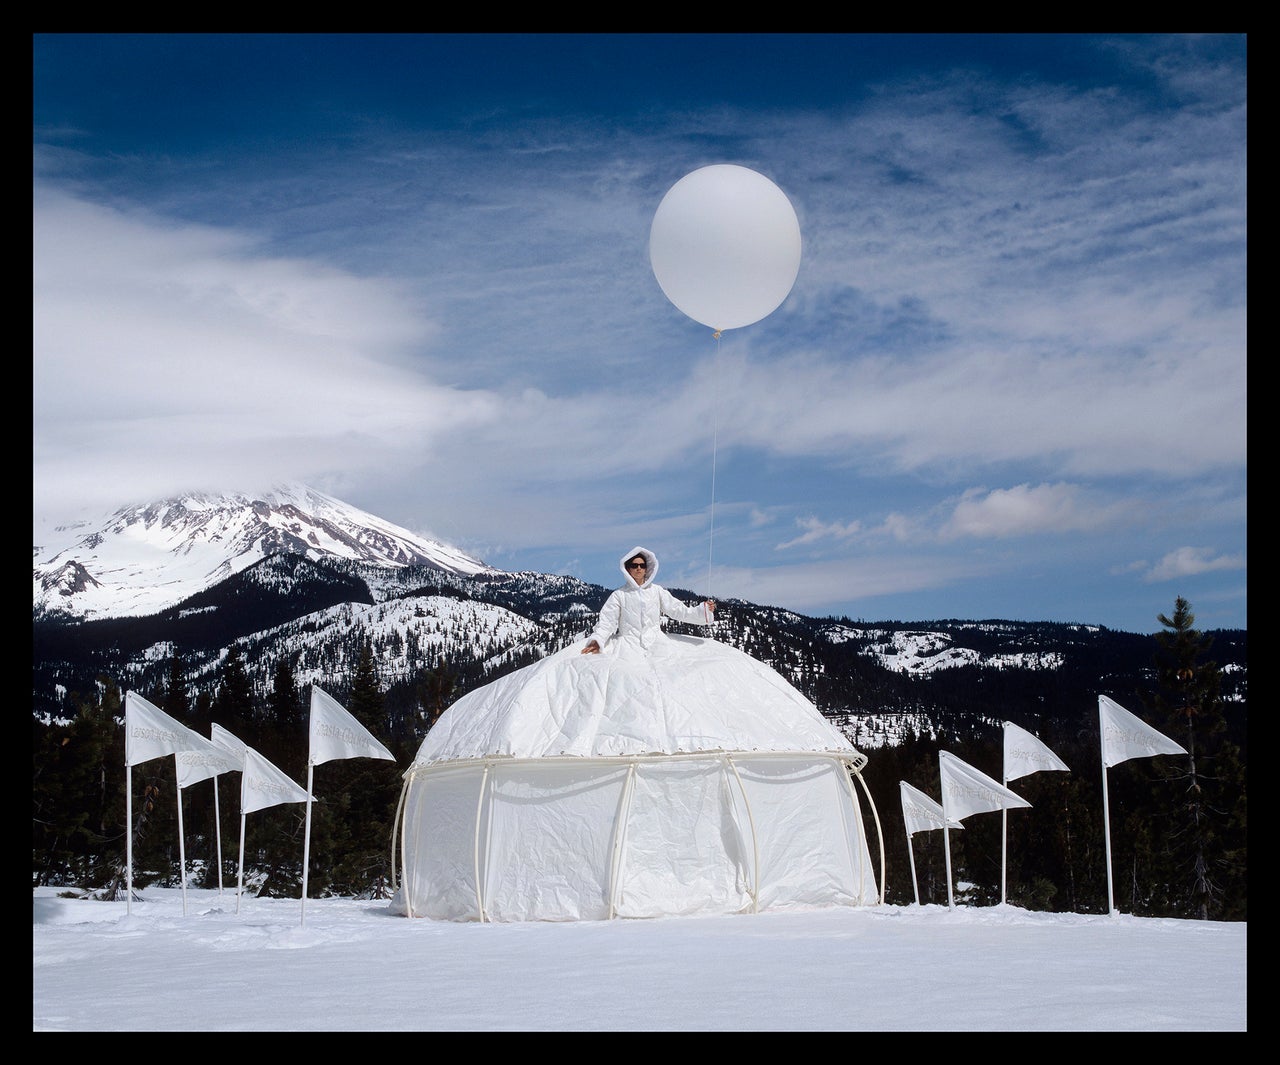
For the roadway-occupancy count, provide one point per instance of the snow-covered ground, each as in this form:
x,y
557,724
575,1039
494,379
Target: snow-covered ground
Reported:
x,y
346,965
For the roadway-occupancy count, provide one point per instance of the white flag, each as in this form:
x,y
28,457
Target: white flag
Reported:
x,y
263,785
335,733
151,733
1125,736
229,742
1024,754
966,790
210,761
920,812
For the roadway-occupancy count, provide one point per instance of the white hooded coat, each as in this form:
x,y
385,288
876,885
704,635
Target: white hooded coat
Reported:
x,y
633,614
647,691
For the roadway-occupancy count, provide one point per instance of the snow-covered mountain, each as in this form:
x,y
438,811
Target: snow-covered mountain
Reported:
x,y
145,558
298,577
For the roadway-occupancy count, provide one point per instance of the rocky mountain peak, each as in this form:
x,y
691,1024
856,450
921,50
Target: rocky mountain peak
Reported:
x,y
144,558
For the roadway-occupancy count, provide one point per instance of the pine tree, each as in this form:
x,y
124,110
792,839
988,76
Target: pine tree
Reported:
x,y
284,739
176,701
226,792
233,709
202,713
154,829
1205,844
435,692
233,703
78,793
278,832
198,813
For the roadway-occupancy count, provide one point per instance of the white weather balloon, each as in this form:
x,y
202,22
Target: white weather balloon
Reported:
x,y
725,246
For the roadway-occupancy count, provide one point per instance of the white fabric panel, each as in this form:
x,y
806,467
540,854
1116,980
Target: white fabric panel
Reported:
x,y
812,846
550,841
439,830
263,784
195,766
336,733
1125,735
685,694
228,741
966,790
548,832
151,733
921,813
683,849
1025,753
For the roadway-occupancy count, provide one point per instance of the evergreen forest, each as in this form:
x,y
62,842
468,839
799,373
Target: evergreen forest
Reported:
x,y
1177,822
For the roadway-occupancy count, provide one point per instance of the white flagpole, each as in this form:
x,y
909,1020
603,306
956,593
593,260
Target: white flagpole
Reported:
x,y
946,836
1106,825
244,777
1004,825
1004,843
306,848
217,822
946,832
182,846
128,836
240,868
912,851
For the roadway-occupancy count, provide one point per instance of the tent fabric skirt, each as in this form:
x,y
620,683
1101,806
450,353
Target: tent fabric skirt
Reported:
x,y
572,839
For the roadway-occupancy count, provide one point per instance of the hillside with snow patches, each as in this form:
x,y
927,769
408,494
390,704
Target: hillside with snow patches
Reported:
x,y
299,576
926,652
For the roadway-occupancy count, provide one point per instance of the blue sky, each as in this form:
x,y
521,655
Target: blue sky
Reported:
x,y
413,271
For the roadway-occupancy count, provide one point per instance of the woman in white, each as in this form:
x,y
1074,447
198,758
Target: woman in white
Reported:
x,y
633,614
634,688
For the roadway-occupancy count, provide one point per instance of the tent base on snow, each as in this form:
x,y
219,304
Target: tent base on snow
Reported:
x,y
688,780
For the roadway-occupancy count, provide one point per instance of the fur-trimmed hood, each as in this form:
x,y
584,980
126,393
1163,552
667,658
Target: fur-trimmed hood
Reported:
x,y
650,575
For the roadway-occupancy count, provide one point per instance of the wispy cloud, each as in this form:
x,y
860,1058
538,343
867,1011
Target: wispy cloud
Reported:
x,y
1028,510
1189,562
820,530
184,355
1017,340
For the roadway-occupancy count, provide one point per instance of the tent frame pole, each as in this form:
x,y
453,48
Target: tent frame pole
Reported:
x,y
856,770
182,845
397,832
755,839
621,821
475,843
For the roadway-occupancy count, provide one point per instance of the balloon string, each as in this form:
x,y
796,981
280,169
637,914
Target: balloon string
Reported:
x,y
715,406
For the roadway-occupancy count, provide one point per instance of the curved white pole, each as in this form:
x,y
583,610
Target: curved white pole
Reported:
x,y
475,843
182,845
306,848
755,841
128,838
620,838
397,829
217,823
875,816
240,865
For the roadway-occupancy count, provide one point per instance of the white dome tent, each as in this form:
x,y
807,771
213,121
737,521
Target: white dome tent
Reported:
x,y
692,779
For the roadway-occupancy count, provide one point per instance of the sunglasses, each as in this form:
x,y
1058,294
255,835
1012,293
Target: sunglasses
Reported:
x,y
636,565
